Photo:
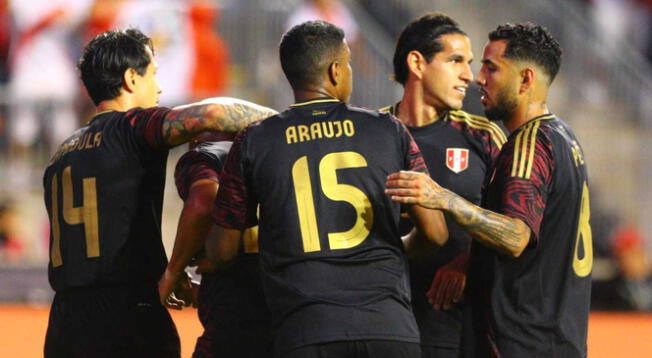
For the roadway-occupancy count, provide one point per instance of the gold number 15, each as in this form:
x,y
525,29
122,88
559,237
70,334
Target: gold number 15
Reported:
x,y
333,190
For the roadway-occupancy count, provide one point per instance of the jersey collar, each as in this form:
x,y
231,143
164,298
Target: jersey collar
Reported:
x,y
315,101
98,114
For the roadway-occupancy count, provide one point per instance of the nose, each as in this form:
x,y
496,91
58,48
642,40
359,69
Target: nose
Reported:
x,y
480,80
467,74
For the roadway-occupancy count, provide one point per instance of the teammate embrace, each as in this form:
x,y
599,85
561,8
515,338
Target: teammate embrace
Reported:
x,y
297,230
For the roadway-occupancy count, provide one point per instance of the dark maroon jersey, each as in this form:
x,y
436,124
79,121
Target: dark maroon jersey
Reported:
x,y
104,196
231,301
205,161
536,305
459,150
332,259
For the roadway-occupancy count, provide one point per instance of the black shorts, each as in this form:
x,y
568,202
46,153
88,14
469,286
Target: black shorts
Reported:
x,y
439,352
248,339
235,318
110,322
357,349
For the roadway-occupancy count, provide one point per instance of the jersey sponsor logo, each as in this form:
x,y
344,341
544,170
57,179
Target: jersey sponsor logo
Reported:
x,y
457,159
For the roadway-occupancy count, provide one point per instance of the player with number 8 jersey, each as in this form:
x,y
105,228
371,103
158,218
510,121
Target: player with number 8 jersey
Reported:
x,y
551,278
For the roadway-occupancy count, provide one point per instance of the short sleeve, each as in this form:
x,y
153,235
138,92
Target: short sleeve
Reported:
x,y
191,167
147,125
527,168
412,155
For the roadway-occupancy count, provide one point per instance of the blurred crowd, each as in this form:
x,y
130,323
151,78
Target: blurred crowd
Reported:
x,y
40,40
42,101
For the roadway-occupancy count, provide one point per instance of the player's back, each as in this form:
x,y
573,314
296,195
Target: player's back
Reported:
x,y
104,194
331,253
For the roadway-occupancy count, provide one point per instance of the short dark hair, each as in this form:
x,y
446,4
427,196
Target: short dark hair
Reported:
x,y
307,50
530,42
422,34
105,59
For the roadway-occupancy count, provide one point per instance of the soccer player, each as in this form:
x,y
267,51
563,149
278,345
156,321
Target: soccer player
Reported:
x,y
432,62
332,260
531,259
104,195
231,302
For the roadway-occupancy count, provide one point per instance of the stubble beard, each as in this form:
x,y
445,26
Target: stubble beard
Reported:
x,y
504,108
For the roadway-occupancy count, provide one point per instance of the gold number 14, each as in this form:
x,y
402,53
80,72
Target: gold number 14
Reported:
x,y
85,214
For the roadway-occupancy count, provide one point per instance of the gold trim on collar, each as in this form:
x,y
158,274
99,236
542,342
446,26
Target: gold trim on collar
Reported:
x,y
324,100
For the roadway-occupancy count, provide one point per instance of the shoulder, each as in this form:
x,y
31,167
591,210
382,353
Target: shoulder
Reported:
x,y
139,113
478,125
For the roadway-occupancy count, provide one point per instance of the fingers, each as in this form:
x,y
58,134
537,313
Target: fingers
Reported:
x,y
449,293
446,289
172,302
441,293
403,174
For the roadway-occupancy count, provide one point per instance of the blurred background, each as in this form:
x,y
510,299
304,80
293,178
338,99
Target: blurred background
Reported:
x,y
208,48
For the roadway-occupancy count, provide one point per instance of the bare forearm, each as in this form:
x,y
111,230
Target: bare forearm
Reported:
x,y
222,114
194,224
190,238
503,233
430,224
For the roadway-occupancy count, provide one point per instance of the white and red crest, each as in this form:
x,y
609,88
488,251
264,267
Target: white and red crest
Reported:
x,y
457,159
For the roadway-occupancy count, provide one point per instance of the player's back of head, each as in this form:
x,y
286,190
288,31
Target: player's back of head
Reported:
x,y
106,58
307,50
422,34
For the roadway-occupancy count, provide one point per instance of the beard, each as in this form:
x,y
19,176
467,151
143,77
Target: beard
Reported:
x,y
504,107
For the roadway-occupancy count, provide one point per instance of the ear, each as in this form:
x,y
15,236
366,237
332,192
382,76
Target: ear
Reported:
x,y
129,79
415,62
528,76
334,73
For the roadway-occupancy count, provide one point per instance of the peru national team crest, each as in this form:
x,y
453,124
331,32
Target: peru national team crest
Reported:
x,y
457,159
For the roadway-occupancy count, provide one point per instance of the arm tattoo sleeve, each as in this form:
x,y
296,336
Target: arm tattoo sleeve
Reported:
x,y
220,114
502,233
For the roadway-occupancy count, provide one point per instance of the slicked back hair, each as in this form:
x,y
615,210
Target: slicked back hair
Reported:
x,y
530,42
422,34
307,50
106,58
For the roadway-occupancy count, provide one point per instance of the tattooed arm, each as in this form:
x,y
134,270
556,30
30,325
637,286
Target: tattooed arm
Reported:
x,y
221,114
507,235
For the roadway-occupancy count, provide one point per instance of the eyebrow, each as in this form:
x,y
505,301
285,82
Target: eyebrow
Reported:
x,y
486,61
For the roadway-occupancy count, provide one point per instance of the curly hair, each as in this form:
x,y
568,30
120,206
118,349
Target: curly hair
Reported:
x,y
530,42
422,34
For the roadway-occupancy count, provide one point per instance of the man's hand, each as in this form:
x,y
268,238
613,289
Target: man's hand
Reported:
x,y
186,291
415,188
448,284
172,283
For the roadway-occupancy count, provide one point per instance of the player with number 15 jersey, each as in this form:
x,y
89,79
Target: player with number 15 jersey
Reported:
x,y
330,249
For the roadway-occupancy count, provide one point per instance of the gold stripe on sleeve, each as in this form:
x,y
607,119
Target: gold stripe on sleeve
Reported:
x,y
533,140
517,152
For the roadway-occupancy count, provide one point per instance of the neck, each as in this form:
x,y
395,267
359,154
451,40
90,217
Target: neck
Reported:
x,y
525,113
118,104
413,110
303,95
